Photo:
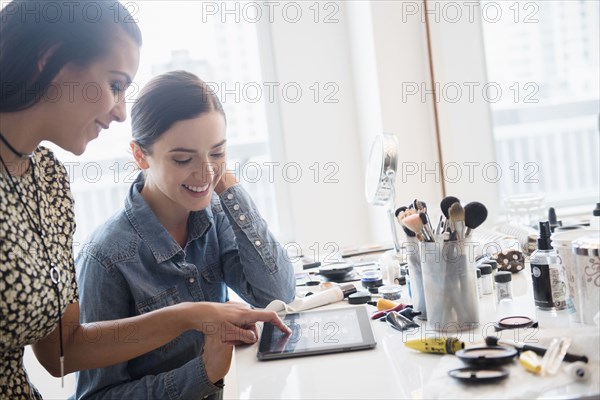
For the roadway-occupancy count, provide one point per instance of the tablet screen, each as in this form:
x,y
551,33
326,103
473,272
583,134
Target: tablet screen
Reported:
x,y
318,332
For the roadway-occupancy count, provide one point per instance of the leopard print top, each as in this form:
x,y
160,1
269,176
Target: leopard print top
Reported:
x,y
28,299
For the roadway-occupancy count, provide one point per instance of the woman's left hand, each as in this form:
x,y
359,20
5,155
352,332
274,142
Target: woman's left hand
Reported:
x,y
216,358
227,180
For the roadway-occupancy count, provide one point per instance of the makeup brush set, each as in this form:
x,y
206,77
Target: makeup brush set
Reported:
x,y
442,273
456,223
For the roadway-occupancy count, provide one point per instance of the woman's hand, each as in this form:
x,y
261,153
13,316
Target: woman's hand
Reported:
x,y
216,358
227,180
231,322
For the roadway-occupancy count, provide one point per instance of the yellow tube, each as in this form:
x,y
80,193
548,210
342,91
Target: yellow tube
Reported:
x,y
531,361
384,304
438,346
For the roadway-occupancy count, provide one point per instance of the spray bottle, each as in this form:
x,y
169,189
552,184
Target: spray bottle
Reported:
x,y
547,274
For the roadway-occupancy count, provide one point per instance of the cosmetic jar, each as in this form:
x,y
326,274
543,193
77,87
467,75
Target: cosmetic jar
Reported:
x,y
486,278
586,251
494,265
503,286
401,280
371,279
390,292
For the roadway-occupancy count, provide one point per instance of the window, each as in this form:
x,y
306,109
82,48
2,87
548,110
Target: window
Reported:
x,y
223,52
547,129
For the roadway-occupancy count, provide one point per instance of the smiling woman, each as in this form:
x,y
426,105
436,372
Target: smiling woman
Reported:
x,y
100,100
44,96
187,233
179,143
64,86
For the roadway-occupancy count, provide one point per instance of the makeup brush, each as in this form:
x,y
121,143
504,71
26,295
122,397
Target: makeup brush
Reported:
x,y
399,210
446,203
422,208
410,211
440,226
457,220
400,215
475,214
426,226
414,223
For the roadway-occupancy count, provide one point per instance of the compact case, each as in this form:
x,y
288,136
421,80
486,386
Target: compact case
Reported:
x,y
483,364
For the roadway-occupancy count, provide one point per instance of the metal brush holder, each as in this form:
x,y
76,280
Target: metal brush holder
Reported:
x,y
381,178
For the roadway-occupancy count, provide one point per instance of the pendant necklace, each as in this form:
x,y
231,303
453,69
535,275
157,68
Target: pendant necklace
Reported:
x,y
54,271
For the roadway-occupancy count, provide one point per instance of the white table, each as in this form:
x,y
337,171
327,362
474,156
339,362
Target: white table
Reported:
x,y
391,370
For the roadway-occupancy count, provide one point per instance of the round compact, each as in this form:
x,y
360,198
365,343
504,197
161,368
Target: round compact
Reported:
x,y
477,375
515,322
335,271
489,356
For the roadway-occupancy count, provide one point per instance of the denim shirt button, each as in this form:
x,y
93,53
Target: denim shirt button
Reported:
x,y
236,207
230,196
191,280
258,243
242,217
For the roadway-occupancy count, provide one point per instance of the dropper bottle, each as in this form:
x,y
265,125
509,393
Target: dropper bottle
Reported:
x,y
547,274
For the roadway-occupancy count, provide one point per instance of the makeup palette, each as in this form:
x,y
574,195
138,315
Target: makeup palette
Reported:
x,y
477,375
488,356
335,271
515,322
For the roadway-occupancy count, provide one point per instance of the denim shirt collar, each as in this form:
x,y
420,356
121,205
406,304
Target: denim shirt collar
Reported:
x,y
152,232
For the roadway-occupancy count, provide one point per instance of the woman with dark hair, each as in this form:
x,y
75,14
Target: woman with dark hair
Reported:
x,y
187,232
64,69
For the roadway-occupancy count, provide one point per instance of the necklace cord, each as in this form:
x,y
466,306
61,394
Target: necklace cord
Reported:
x,y
54,272
12,149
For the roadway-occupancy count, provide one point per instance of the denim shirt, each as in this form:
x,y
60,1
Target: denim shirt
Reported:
x,y
131,265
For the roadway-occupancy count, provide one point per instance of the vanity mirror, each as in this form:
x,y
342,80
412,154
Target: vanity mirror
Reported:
x,y
381,178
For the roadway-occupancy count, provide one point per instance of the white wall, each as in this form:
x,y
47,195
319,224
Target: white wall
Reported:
x,y
465,118
306,52
370,56
401,59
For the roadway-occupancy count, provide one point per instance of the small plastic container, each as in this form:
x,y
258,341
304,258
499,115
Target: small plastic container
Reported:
x,y
494,265
401,280
391,292
503,281
525,209
371,279
486,279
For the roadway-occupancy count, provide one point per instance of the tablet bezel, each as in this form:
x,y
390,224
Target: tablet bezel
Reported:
x,y
266,351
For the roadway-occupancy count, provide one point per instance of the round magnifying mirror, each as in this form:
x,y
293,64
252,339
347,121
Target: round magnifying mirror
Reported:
x,y
381,170
381,178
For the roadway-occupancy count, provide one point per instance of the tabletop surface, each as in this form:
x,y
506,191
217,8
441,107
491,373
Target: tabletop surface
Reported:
x,y
392,370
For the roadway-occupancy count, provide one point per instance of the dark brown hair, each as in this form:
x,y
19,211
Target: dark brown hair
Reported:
x,y
167,99
78,32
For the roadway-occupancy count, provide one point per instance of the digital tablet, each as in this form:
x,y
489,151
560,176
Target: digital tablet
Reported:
x,y
318,332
